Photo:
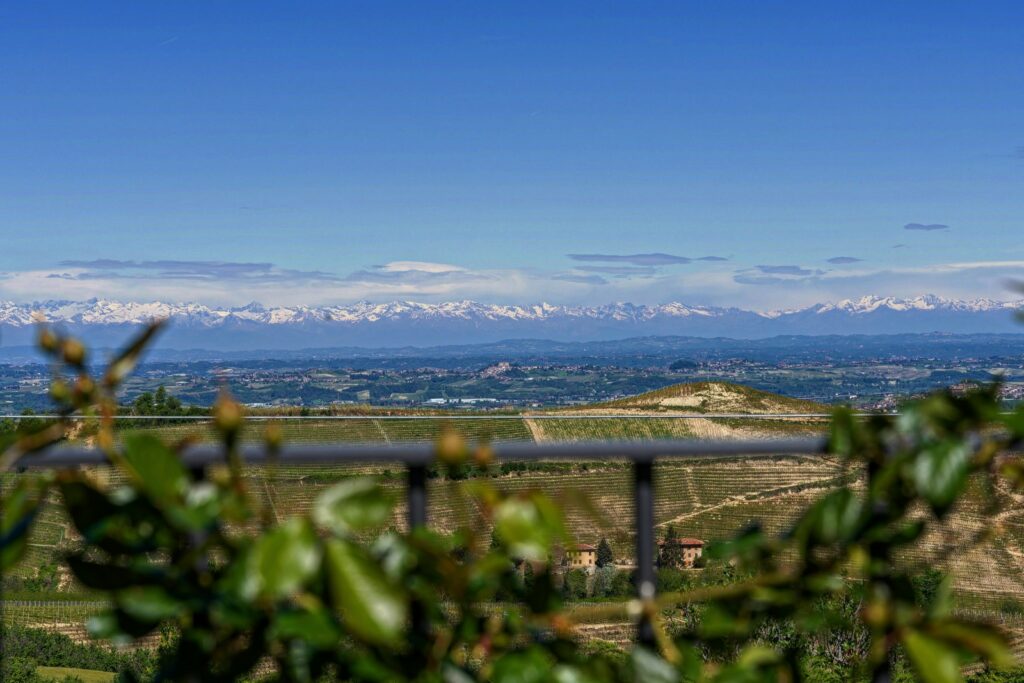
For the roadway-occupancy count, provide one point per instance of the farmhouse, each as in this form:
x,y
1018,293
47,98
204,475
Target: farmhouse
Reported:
x,y
582,556
681,553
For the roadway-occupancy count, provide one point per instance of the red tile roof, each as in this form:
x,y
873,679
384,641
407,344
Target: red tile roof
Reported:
x,y
585,547
695,542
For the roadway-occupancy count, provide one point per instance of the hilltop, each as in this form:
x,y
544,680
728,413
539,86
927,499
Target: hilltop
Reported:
x,y
714,398
630,418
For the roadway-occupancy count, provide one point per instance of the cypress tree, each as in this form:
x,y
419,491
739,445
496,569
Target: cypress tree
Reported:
x,y
605,557
671,554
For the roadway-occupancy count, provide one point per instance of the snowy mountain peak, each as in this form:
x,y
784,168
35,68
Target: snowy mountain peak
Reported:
x,y
393,323
103,311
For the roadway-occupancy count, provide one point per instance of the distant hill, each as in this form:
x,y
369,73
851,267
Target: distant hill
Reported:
x,y
715,397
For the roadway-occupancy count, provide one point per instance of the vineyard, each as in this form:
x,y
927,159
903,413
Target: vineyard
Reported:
x,y
707,498
710,499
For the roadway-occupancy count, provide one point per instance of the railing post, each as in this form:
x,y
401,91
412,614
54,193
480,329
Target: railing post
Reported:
x,y
883,672
417,496
198,538
416,500
200,619
643,489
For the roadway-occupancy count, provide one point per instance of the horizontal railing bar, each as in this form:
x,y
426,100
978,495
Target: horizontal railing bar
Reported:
x,y
424,453
523,416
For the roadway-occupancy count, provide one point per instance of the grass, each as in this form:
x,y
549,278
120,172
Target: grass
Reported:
x,y
59,673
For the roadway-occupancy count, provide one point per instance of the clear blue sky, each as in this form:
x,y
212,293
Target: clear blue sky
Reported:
x,y
319,143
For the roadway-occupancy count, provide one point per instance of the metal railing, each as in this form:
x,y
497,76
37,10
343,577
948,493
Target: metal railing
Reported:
x,y
417,457
456,417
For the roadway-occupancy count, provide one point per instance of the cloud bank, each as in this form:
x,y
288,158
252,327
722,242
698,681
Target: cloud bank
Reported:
x,y
656,259
762,287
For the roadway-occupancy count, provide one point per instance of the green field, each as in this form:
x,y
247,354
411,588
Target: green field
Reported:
x,y
59,673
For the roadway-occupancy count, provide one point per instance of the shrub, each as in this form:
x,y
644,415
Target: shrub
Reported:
x,y
574,584
604,582
48,648
17,669
671,580
623,584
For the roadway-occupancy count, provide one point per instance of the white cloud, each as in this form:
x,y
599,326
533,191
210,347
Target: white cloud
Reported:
x,y
422,266
767,288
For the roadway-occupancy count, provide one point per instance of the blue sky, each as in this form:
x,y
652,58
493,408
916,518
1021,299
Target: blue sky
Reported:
x,y
224,152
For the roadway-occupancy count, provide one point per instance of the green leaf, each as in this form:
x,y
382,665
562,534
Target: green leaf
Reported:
x,y
149,604
89,508
118,627
203,505
120,524
20,507
107,577
718,622
564,673
941,472
352,505
528,526
843,429
125,361
980,639
372,608
105,626
650,668
530,666
156,467
836,517
933,660
452,674
281,561
315,626
758,656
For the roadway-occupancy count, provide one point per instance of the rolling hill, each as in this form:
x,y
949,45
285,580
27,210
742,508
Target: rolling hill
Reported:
x,y
714,398
705,410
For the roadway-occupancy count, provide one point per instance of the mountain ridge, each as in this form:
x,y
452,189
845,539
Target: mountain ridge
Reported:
x,y
398,323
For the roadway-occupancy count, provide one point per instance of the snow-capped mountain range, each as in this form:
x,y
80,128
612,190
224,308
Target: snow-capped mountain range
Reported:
x,y
402,323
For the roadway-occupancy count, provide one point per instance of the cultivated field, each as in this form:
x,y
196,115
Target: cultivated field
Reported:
x,y
706,498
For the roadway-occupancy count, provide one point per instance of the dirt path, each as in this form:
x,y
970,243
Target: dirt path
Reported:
x,y
760,495
535,429
270,501
383,434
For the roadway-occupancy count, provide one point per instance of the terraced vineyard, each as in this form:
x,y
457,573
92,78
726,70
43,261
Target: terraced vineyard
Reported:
x,y
67,617
547,428
360,430
707,498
